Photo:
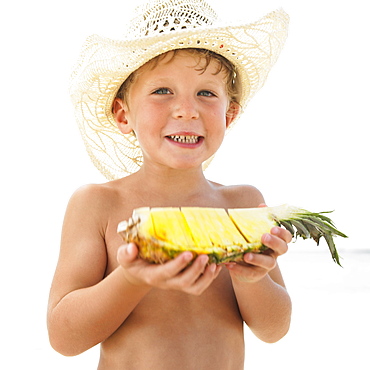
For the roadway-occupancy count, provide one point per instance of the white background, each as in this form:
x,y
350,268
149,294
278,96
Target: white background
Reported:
x,y
303,140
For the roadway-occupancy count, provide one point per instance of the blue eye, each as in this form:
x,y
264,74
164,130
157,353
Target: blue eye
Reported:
x,y
162,91
206,93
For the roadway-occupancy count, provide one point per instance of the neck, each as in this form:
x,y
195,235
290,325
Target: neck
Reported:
x,y
174,187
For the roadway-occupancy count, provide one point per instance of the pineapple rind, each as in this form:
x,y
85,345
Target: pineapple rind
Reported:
x,y
157,251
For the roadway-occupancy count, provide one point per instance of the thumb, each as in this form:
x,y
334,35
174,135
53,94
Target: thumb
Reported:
x,y
127,253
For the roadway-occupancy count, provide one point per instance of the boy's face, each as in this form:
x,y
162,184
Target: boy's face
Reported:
x,y
179,114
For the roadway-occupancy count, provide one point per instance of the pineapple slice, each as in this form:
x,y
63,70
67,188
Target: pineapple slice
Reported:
x,y
162,233
215,234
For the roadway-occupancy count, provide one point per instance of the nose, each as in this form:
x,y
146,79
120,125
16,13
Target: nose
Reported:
x,y
185,108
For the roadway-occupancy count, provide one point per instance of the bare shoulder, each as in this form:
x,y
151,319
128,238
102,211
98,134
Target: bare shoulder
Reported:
x,y
87,216
242,196
95,199
94,194
101,206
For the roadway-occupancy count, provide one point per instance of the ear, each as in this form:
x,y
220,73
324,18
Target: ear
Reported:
x,y
120,110
232,112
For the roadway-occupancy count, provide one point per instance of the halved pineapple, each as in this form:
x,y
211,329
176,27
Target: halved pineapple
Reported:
x,y
224,235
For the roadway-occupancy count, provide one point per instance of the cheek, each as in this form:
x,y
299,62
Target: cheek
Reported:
x,y
147,128
218,119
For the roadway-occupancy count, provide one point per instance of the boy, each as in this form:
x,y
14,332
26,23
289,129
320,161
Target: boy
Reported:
x,y
177,103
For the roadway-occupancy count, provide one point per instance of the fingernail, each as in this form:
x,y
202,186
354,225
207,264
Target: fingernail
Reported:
x,y
130,248
266,238
204,258
275,230
188,256
248,257
213,267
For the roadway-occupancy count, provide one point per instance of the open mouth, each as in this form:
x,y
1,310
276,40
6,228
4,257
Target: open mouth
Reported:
x,y
186,139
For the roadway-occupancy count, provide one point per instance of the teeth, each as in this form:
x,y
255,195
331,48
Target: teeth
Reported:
x,y
185,139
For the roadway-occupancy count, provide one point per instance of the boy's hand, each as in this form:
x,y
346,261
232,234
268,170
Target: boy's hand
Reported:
x,y
257,266
176,274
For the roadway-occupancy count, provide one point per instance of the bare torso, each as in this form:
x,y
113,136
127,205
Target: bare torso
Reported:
x,y
170,329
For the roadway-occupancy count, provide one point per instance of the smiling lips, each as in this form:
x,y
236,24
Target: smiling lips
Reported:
x,y
185,139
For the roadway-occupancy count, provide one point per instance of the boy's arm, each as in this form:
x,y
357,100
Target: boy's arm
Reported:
x,y
263,301
83,305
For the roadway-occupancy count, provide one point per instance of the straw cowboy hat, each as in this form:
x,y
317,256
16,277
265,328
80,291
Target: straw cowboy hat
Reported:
x,y
161,26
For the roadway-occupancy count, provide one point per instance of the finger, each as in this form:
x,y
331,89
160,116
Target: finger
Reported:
x,y
192,273
282,233
205,280
275,243
127,253
264,261
210,274
170,269
246,272
132,266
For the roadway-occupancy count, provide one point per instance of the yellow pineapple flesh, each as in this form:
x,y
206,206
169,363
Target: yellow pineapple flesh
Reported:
x,y
224,235
252,222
